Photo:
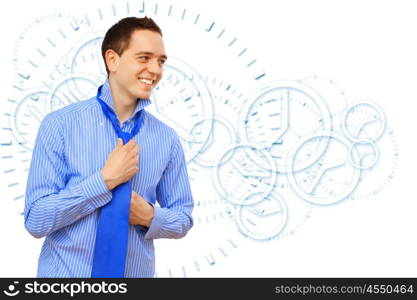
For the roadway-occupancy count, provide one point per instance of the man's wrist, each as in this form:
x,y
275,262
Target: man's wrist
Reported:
x,y
110,183
148,220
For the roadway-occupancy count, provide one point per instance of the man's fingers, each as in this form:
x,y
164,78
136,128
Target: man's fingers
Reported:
x,y
133,170
136,149
131,144
134,195
134,153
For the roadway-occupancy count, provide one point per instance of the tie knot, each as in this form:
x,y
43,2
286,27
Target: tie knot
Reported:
x,y
125,136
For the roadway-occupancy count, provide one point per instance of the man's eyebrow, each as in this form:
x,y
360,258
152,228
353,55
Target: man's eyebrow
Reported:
x,y
150,53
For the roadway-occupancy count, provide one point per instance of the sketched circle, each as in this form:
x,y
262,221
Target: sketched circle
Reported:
x,y
359,165
277,125
270,228
310,196
221,184
351,108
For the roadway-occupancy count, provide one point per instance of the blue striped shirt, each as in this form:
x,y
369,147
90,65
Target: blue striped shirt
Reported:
x,y
65,187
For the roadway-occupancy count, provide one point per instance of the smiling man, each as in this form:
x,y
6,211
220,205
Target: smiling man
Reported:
x,y
107,177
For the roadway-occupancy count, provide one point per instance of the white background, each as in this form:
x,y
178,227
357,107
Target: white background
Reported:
x,y
367,47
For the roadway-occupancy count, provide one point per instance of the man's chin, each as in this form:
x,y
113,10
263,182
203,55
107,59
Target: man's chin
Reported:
x,y
143,95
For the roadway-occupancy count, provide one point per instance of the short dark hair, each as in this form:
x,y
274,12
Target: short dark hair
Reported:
x,y
118,36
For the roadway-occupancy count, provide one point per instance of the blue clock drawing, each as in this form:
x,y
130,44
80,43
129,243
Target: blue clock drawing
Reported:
x,y
278,114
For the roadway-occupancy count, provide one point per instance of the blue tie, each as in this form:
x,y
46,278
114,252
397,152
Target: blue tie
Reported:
x,y
113,227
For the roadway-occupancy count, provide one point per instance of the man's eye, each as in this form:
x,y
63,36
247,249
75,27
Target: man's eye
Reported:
x,y
162,62
143,58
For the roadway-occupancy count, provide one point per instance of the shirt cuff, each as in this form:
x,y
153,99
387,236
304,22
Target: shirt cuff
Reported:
x,y
157,223
96,190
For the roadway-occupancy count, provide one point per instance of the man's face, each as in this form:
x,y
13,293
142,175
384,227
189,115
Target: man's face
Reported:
x,y
138,70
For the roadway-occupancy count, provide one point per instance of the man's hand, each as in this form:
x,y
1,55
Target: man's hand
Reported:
x,y
122,163
141,212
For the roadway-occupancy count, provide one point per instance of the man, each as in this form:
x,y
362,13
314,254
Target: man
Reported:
x,y
79,162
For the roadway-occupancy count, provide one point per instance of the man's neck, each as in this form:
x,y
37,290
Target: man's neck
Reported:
x,y
124,104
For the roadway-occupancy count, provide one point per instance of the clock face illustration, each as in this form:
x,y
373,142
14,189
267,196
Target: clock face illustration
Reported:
x,y
222,134
364,123
368,157
363,120
237,176
278,114
331,178
263,220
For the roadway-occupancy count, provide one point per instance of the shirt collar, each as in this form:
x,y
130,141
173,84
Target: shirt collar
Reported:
x,y
105,95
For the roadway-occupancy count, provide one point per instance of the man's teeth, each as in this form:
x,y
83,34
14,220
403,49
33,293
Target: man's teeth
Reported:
x,y
147,81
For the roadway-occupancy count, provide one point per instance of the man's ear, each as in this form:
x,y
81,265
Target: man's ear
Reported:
x,y
112,60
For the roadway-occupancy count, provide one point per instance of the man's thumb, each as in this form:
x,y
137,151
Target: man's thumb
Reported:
x,y
119,143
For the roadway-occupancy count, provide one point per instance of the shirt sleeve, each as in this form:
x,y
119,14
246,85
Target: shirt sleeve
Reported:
x,y
173,218
51,204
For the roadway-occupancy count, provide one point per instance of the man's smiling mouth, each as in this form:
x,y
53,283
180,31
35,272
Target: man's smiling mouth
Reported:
x,y
146,81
